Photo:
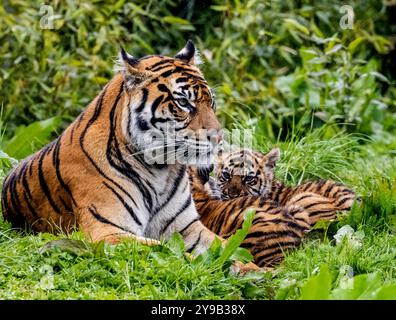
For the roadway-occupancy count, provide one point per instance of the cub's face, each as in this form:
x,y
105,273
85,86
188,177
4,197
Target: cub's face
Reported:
x,y
246,172
171,109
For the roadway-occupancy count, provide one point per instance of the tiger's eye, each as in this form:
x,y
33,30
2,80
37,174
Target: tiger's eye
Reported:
x,y
250,179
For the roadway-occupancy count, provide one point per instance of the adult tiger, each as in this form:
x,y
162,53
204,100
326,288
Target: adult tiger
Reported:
x,y
95,175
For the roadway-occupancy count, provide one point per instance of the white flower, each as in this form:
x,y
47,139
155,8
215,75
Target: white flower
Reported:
x,y
354,238
47,281
346,277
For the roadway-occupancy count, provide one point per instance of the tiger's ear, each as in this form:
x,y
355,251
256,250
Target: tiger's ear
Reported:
x,y
271,158
189,54
133,77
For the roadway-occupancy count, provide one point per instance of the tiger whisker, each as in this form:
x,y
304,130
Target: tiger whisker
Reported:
x,y
153,149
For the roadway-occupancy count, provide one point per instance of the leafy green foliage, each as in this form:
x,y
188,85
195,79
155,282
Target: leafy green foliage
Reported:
x,y
29,138
269,61
49,267
6,162
317,287
365,286
223,255
38,82
233,243
276,60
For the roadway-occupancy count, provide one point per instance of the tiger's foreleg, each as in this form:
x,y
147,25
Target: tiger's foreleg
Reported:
x,y
99,228
197,237
117,237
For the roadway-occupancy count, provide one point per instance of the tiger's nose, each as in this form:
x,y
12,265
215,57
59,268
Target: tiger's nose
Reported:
x,y
233,193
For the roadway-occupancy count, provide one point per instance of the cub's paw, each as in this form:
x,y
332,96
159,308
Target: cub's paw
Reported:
x,y
240,268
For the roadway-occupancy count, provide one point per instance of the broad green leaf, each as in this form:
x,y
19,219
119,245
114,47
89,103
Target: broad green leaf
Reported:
x,y
175,20
313,98
28,139
307,54
236,239
284,83
6,160
379,76
353,45
242,255
219,8
251,290
317,287
297,25
216,247
364,286
210,255
387,293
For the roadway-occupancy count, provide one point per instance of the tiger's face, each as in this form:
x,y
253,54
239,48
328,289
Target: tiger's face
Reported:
x,y
171,108
246,172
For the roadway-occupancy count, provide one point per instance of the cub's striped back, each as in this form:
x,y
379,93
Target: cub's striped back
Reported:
x,y
283,214
274,229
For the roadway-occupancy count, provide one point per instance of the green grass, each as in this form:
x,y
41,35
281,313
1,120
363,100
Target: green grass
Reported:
x,y
33,267
29,269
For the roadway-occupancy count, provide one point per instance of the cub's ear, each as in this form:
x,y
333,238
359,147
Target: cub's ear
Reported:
x,y
189,54
128,65
272,157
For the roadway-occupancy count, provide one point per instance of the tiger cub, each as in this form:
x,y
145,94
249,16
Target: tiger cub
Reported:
x,y
275,229
246,172
95,175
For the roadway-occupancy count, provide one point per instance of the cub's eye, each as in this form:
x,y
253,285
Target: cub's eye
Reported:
x,y
250,179
183,102
225,176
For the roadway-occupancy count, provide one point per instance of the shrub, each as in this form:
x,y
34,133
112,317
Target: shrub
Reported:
x,y
274,60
